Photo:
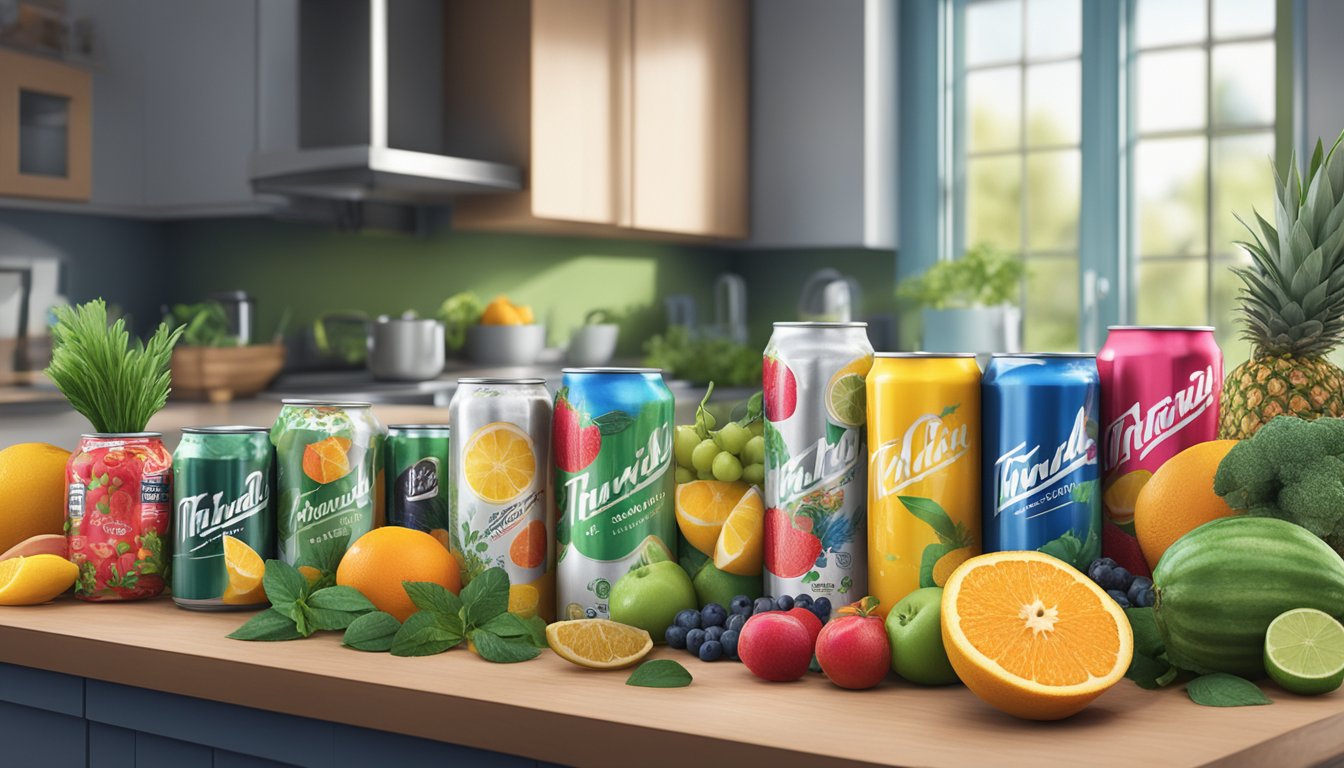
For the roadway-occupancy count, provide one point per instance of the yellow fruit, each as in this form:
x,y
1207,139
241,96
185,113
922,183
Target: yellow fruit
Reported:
x,y
742,540
35,579
499,462
942,570
245,569
500,312
523,600
380,560
525,314
33,503
598,643
310,573
1120,498
1032,636
702,506
1179,498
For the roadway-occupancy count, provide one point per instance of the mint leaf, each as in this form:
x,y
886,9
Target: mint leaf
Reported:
x,y
372,632
613,422
660,673
1147,640
268,625
1148,672
536,630
507,625
327,619
284,585
432,597
1223,690
485,597
346,599
1067,548
423,635
503,650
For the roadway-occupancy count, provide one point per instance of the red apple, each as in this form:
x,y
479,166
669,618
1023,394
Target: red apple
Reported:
x,y
853,649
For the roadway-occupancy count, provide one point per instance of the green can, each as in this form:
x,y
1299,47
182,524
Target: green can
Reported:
x,y
223,517
329,480
417,465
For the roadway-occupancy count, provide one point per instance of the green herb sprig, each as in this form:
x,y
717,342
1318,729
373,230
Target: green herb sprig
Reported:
x,y
117,385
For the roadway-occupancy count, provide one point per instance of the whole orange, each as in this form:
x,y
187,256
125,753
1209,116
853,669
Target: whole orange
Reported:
x,y
380,560
33,503
1179,498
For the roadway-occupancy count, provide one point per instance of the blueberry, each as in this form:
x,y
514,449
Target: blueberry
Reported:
x,y
740,606
711,650
802,601
712,615
694,639
729,642
687,619
735,623
1104,562
822,607
1116,578
1140,592
675,636
762,605
783,602
1119,597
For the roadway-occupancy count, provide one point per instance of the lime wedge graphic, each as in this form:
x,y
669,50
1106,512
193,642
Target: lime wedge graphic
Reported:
x,y
845,400
1304,651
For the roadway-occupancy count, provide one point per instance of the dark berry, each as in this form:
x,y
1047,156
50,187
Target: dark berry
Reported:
x,y
783,603
802,601
1104,562
1116,578
1119,597
822,607
675,637
740,606
713,633
729,642
694,639
711,650
762,605
735,623
687,619
712,615
1140,592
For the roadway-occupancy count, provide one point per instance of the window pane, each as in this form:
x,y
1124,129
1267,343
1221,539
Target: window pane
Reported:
x,y
1054,28
993,31
994,202
994,109
1164,22
1173,292
1052,200
1243,84
1242,179
1169,197
1170,88
1242,18
1227,324
1050,315
1053,104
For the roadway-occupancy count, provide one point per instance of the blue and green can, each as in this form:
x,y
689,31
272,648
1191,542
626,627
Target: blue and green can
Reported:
x,y
418,478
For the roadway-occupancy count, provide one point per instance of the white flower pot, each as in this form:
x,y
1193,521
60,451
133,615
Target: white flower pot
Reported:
x,y
978,329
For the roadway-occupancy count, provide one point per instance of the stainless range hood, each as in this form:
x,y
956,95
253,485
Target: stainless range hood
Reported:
x,y
367,90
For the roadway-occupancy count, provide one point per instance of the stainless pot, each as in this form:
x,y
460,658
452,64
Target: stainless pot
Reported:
x,y
406,348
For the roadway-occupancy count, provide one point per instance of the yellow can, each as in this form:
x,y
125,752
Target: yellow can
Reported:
x,y
923,470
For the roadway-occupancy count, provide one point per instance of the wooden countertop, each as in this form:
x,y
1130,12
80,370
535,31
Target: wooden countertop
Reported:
x,y
550,710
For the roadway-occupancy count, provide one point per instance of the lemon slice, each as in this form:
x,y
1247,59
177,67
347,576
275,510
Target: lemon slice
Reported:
x,y
245,569
845,400
499,462
742,540
702,507
598,643
35,579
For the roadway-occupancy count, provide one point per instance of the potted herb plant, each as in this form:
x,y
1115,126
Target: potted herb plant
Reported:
x,y
968,304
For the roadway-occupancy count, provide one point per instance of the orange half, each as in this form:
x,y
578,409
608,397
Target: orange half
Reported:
x,y
1032,636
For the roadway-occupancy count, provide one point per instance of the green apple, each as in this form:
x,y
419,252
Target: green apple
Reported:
x,y
914,627
715,586
650,596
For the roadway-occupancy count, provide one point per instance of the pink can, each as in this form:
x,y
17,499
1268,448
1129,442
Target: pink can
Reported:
x,y
1159,396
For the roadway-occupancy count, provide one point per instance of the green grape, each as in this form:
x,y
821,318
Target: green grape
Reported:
x,y
704,475
732,437
754,451
756,428
727,467
754,473
684,475
684,443
702,458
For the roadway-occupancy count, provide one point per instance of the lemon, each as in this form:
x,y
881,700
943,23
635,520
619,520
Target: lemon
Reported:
x,y
245,569
523,600
1304,651
499,462
741,541
35,579
702,506
33,476
598,643
845,400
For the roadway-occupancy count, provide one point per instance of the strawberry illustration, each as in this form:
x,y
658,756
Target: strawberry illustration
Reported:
x,y
576,445
781,389
789,551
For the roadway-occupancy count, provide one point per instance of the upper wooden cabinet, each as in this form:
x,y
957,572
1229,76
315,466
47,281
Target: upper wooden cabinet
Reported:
x,y
636,116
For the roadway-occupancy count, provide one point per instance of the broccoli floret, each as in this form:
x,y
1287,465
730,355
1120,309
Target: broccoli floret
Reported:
x,y
1293,470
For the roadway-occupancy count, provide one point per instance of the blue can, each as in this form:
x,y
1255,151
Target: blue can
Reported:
x,y
1042,479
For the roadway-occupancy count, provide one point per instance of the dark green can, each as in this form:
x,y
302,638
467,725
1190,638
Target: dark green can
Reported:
x,y
417,467
223,517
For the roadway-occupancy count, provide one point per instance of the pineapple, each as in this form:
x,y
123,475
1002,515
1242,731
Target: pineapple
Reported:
x,y
1292,303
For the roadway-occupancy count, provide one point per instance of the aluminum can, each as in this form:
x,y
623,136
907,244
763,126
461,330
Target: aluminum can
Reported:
x,y
816,461
1159,395
118,503
416,469
502,511
224,517
923,446
1042,472
614,482
329,480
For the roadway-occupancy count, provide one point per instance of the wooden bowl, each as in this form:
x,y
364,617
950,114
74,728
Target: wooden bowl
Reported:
x,y
221,374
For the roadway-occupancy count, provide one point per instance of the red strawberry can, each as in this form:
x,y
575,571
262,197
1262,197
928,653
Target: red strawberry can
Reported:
x,y
119,490
1159,396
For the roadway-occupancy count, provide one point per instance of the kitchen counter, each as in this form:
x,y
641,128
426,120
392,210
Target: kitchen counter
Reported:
x,y
550,710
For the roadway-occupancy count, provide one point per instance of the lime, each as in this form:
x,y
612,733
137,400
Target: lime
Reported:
x,y
1304,651
845,400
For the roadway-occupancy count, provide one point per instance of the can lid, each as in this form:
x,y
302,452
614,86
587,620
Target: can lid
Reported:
x,y
817,324
923,355
110,435
327,403
568,371
233,429
1043,355
415,427
1159,328
532,380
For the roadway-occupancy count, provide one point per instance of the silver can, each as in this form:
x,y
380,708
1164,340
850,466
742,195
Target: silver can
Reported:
x,y
816,524
501,508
